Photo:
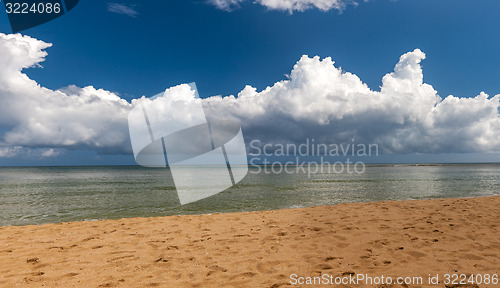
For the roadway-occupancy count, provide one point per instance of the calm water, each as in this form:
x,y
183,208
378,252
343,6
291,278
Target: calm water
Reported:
x,y
30,195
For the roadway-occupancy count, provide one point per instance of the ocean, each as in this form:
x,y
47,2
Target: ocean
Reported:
x,y
37,195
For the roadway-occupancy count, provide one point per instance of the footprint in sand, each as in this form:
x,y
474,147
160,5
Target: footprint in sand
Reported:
x,y
121,258
471,257
33,260
214,269
330,258
416,254
342,245
323,267
266,268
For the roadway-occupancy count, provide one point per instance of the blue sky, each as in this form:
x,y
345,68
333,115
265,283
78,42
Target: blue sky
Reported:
x,y
178,41
165,43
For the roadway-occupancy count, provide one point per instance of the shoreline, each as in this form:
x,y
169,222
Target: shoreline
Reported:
x,y
258,211
259,249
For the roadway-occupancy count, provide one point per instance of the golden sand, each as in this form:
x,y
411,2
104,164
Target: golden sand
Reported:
x,y
260,249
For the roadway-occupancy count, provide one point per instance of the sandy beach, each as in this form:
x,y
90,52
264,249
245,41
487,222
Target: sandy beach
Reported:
x,y
262,249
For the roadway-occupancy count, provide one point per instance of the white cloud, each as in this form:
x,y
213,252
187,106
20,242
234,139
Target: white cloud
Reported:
x,y
226,5
288,5
406,116
37,117
318,101
31,153
9,152
122,9
301,5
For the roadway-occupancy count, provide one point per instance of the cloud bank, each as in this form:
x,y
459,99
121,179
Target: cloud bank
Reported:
x,y
287,5
32,116
318,101
406,116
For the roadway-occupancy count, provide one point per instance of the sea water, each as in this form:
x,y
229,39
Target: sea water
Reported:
x,y
36,195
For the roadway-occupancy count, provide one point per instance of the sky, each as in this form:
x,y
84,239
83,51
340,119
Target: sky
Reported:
x,y
374,71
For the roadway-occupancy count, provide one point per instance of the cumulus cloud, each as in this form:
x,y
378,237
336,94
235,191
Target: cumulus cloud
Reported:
x,y
406,116
122,9
32,116
318,101
287,5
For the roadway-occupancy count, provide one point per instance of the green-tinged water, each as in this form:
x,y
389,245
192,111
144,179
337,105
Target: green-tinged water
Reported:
x,y
35,195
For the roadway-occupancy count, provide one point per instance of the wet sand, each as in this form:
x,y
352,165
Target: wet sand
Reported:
x,y
261,249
